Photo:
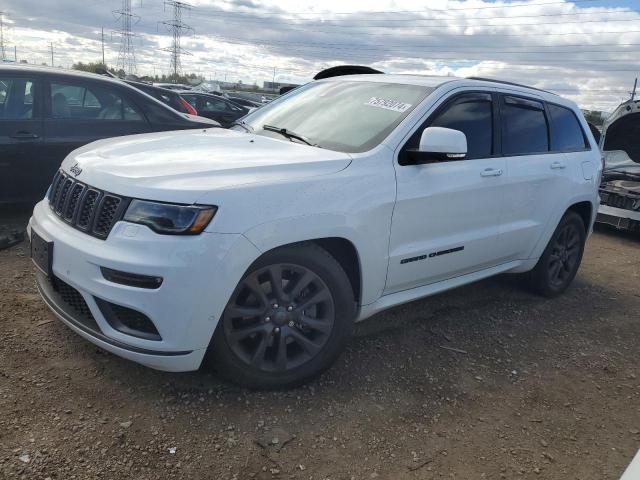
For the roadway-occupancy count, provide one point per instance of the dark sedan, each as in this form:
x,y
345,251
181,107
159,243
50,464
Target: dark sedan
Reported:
x,y
46,113
244,102
215,107
169,97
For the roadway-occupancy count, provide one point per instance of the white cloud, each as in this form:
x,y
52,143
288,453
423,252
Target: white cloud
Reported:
x,y
544,43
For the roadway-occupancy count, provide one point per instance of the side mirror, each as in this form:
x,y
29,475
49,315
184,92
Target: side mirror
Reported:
x,y
439,144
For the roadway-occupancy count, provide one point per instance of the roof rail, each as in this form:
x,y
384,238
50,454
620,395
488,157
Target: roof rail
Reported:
x,y
510,83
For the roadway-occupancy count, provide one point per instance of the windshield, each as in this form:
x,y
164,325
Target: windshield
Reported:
x,y
345,116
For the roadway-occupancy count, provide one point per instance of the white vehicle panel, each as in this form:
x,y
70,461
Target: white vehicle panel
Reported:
x,y
489,215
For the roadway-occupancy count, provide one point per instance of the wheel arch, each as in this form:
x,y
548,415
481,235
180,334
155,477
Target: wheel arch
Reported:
x,y
582,205
585,210
360,246
340,248
346,254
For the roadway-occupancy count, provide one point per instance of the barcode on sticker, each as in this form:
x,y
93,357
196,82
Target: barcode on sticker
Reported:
x,y
388,104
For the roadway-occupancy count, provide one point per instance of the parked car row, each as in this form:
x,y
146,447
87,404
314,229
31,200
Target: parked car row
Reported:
x,y
215,107
46,113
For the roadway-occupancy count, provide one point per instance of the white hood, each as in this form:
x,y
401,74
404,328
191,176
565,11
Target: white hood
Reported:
x,y
180,166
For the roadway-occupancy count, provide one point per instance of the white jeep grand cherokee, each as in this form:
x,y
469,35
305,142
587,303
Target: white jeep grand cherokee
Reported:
x,y
262,245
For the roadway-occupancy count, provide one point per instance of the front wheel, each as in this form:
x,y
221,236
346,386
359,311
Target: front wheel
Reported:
x,y
287,320
561,259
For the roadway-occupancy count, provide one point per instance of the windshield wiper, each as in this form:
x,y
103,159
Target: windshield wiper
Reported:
x,y
289,134
244,125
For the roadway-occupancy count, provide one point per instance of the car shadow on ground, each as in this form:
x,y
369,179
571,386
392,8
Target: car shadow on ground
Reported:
x,y
498,322
429,348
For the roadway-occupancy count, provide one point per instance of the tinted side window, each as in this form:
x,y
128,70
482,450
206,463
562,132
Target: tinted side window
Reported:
x,y
566,133
16,98
524,127
213,105
473,116
79,101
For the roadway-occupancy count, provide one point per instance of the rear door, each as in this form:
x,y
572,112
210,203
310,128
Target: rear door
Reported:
x,y
80,111
21,132
536,178
568,137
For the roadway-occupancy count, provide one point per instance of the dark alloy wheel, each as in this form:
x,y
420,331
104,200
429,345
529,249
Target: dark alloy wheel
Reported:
x,y
280,317
286,321
565,255
561,259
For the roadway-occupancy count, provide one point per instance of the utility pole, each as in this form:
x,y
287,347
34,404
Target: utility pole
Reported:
x,y
102,38
52,54
177,28
3,56
126,54
633,93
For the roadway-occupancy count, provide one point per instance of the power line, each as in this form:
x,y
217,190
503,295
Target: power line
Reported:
x,y
441,23
215,16
177,28
3,55
102,41
406,32
354,48
446,10
126,54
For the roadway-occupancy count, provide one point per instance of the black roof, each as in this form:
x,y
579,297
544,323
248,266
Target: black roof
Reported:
x,y
56,71
344,70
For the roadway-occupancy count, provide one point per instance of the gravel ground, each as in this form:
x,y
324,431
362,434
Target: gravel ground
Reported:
x,y
487,381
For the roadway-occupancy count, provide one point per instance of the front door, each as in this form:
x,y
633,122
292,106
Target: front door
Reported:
x,y
20,139
447,215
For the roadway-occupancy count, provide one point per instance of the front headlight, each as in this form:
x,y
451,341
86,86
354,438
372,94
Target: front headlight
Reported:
x,y
170,219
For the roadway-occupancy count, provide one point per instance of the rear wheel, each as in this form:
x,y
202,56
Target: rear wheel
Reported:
x,y
287,320
561,259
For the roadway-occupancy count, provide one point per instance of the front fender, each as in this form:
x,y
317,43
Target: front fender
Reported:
x,y
370,240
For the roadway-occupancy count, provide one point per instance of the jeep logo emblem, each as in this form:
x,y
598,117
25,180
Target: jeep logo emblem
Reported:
x,y
76,170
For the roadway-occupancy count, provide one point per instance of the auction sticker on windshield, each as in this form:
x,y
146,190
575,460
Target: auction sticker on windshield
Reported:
x,y
388,104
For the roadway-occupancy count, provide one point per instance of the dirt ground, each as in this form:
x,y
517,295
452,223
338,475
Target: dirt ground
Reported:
x,y
536,389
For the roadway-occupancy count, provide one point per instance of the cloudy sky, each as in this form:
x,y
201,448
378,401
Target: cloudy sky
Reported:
x,y
584,49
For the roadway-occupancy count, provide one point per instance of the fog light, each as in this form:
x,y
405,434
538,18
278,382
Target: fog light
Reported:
x,y
131,279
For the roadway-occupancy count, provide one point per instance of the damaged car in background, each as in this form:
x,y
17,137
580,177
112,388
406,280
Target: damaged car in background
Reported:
x,y
620,187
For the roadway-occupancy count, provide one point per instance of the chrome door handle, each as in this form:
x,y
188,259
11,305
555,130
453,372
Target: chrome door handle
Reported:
x,y
557,165
491,172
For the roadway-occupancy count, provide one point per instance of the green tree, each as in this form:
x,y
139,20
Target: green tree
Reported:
x,y
593,116
92,67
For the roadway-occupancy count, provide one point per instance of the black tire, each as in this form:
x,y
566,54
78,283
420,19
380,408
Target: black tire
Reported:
x,y
286,317
559,263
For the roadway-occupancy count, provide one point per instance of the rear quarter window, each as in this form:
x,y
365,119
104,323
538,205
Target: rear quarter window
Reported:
x,y
566,132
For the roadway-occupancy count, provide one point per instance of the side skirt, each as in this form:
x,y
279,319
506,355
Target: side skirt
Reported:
x,y
405,296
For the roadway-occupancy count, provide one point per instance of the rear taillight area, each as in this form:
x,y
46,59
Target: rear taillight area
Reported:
x,y
188,106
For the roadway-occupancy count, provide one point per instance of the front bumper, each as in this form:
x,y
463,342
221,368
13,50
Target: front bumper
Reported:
x,y
619,218
199,274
